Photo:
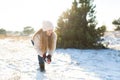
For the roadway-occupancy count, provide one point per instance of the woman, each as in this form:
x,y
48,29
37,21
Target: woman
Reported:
x,y
44,42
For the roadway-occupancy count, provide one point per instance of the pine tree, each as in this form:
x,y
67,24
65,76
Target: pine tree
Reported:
x,y
117,24
77,27
3,31
28,30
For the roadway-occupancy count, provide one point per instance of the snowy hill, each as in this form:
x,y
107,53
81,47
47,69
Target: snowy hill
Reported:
x,y
18,61
113,38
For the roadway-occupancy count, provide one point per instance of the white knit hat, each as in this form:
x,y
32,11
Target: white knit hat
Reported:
x,y
47,25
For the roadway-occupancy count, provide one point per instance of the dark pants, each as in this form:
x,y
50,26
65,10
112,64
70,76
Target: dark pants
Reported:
x,y
40,59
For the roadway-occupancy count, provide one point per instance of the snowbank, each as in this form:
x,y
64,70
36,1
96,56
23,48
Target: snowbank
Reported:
x,y
18,61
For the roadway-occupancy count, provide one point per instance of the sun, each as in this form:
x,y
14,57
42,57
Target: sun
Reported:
x,y
18,14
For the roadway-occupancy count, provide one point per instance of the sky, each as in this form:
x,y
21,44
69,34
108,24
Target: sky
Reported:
x,y
107,11
17,14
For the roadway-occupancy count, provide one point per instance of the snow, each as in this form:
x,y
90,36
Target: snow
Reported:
x,y
18,61
113,38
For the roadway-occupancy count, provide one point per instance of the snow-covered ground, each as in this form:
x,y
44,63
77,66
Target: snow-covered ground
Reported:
x,y
113,38
18,61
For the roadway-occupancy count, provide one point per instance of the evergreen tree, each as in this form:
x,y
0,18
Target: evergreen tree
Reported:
x,y
2,31
28,30
117,24
77,27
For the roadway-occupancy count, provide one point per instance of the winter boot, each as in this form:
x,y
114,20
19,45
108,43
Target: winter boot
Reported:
x,y
42,67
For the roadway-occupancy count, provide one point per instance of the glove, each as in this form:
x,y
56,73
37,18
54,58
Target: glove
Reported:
x,y
44,56
49,59
32,42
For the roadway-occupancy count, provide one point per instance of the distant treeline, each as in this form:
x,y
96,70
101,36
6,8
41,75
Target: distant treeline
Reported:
x,y
28,30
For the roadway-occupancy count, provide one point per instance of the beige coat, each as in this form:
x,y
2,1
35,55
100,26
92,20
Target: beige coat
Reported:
x,y
37,39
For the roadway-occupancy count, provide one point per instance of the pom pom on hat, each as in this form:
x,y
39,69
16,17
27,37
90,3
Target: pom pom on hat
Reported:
x,y
47,25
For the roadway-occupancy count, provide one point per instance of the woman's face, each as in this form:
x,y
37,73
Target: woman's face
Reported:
x,y
49,32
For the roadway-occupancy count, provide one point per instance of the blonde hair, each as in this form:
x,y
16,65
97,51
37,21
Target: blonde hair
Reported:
x,y
46,42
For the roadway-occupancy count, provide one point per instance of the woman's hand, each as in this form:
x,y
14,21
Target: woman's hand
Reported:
x,y
47,58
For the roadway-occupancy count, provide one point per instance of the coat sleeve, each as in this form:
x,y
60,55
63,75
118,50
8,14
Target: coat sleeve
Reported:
x,y
36,40
54,44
